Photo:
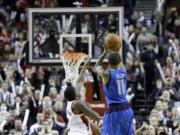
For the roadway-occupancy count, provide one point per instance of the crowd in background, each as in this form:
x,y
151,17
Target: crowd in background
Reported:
x,y
151,60
49,27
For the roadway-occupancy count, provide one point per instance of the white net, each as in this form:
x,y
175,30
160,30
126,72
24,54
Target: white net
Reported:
x,y
71,62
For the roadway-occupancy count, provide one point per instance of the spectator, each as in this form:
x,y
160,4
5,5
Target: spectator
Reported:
x,y
158,89
34,106
151,130
10,123
4,113
141,17
18,126
148,57
166,99
153,121
5,96
143,40
49,115
162,130
52,94
37,127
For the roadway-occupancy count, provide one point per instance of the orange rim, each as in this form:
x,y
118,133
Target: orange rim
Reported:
x,y
73,57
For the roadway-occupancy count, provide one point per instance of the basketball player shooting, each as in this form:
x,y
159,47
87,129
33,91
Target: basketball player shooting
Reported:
x,y
118,119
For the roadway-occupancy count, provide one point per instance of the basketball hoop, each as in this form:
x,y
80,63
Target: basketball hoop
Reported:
x,y
71,62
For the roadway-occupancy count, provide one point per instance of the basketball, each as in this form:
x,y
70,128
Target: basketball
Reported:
x,y
112,42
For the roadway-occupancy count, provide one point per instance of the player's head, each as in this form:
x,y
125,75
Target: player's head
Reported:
x,y
70,93
114,59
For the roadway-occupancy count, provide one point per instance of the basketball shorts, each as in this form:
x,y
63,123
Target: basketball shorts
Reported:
x,y
118,120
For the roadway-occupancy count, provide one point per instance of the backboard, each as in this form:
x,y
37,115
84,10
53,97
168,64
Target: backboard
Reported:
x,y
84,29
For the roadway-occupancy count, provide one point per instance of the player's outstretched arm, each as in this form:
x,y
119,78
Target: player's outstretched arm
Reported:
x,y
99,67
79,83
82,107
101,58
81,75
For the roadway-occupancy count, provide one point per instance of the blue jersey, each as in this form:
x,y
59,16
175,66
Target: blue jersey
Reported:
x,y
118,119
115,89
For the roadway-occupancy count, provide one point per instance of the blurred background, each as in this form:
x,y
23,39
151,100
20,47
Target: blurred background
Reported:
x,y
151,52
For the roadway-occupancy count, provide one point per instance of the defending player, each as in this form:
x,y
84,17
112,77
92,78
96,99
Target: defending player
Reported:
x,y
77,110
118,119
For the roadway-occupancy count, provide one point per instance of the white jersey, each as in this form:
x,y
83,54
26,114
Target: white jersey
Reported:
x,y
35,128
76,125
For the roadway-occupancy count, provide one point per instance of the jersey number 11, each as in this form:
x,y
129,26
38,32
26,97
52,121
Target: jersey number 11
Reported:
x,y
121,87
